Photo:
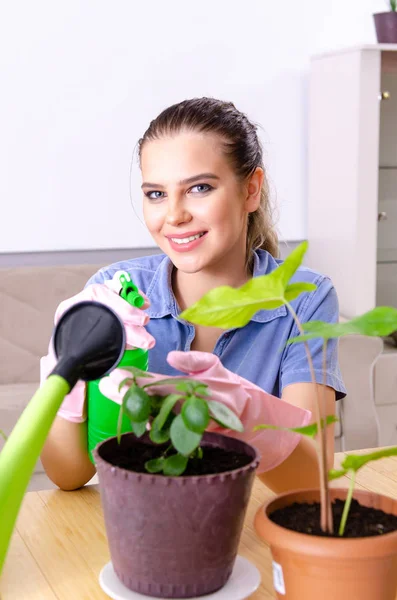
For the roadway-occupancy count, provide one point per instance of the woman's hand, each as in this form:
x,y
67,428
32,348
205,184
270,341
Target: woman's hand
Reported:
x,y
134,320
249,402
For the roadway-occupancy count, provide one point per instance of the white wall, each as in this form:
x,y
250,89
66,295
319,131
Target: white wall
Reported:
x,y
81,79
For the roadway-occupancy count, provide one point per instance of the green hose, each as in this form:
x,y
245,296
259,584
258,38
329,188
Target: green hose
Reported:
x,y
22,450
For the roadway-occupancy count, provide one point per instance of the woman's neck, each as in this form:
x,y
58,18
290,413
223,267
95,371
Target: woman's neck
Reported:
x,y
188,288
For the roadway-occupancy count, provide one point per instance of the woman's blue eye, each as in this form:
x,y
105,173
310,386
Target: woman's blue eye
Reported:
x,y
201,188
155,195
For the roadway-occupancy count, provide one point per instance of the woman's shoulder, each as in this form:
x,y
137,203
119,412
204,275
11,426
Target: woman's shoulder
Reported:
x,y
142,270
266,263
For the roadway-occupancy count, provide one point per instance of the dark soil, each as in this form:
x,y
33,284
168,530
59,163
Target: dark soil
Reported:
x,y
215,460
361,521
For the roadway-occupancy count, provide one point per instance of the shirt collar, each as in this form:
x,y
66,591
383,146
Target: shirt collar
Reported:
x,y
163,302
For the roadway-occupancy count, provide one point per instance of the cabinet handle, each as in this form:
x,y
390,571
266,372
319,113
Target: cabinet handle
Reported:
x,y
382,216
384,95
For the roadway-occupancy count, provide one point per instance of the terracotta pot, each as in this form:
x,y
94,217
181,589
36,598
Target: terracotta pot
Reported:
x,y
307,567
386,27
174,537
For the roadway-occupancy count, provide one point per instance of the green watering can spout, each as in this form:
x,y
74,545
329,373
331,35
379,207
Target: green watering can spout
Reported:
x,y
89,341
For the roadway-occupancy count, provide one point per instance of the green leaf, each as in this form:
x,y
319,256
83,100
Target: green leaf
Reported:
x,y
195,414
136,404
175,465
227,307
155,465
199,452
168,380
336,473
293,261
308,430
354,462
156,403
159,436
380,321
193,387
168,405
127,381
137,372
139,428
183,439
224,416
294,290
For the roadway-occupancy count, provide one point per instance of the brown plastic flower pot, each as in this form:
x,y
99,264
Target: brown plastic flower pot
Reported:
x,y
311,567
174,537
386,27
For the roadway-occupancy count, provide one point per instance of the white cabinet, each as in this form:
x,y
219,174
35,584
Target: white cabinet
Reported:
x,y
352,173
352,195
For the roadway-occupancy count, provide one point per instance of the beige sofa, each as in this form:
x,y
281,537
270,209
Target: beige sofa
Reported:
x,y
29,297
28,300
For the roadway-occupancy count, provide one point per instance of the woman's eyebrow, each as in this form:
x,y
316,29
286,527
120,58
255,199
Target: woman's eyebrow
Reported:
x,y
146,184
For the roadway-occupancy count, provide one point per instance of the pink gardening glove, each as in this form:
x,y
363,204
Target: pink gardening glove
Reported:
x,y
134,319
250,403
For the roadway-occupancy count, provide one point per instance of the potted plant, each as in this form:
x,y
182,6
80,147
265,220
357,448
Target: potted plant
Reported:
x,y
310,560
174,495
386,24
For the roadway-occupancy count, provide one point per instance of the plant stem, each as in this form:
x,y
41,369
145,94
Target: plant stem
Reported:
x,y
325,454
119,423
324,489
3,435
348,502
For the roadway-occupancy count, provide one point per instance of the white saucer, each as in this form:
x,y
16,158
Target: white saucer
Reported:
x,y
243,582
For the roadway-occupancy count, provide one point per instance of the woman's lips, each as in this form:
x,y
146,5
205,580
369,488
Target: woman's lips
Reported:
x,y
186,246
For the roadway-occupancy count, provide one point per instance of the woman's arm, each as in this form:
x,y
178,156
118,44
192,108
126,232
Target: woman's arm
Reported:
x,y
65,455
300,469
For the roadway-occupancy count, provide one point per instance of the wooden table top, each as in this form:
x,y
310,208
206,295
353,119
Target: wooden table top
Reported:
x,y
59,546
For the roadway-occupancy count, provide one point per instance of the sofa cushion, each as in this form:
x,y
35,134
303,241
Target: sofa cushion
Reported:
x,y
29,297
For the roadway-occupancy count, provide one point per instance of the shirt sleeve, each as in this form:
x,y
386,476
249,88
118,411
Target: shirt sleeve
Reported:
x,y
320,305
98,277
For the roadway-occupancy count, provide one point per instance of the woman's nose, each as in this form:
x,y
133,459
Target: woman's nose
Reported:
x,y
177,213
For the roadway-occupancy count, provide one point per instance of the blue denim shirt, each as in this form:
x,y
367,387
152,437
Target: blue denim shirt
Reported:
x,y
257,351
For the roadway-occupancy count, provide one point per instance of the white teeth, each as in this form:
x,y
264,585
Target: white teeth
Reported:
x,y
187,239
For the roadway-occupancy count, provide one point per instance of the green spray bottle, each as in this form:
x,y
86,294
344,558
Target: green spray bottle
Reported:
x,y
103,413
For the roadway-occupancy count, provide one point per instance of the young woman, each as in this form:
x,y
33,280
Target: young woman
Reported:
x,y
206,204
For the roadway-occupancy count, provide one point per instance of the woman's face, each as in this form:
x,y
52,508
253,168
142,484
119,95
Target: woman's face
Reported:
x,y
195,207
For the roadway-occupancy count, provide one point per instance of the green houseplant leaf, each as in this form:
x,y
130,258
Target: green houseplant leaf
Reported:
x,y
159,436
165,410
183,439
350,465
354,462
175,465
224,416
228,307
139,428
380,321
155,465
136,404
136,372
195,414
308,430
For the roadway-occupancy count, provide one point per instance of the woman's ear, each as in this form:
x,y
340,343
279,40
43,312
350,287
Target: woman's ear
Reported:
x,y
254,188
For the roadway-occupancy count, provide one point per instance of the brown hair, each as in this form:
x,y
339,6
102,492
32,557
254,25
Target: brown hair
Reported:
x,y
241,145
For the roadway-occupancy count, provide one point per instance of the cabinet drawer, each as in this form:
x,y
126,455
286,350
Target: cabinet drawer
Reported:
x,y
387,205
